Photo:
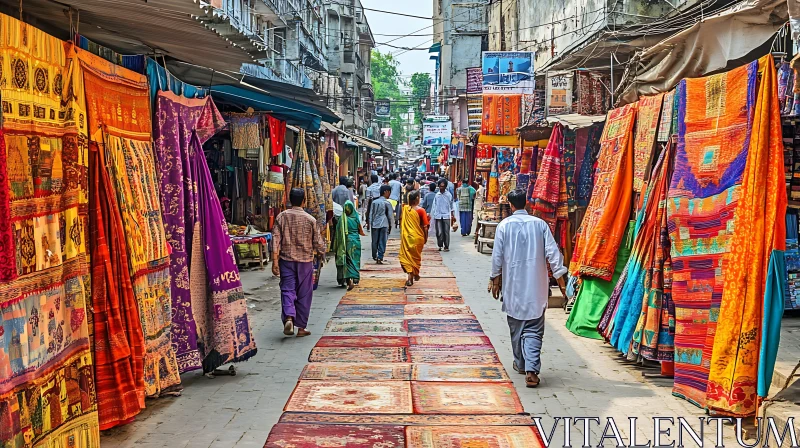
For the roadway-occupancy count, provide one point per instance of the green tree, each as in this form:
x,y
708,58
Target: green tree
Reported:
x,y
387,82
420,90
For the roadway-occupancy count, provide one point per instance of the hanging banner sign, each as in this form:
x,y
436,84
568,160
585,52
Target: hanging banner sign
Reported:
x,y
474,81
508,72
383,108
436,133
559,93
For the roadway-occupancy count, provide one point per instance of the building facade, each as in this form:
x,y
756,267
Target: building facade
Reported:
x,y
461,27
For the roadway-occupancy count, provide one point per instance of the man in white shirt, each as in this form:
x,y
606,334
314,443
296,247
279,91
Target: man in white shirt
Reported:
x,y
523,248
443,215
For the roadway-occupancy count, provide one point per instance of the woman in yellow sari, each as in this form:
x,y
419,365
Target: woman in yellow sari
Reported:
x,y
413,236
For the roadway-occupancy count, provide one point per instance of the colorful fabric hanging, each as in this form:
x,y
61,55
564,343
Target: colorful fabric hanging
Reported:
x,y
645,264
546,190
759,236
594,295
245,131
646,129
119,346
47,376
586,174
501,114
8,262
654,335
277,135
599,236
711,154
493,185
505,159
208,318
569,155
126,139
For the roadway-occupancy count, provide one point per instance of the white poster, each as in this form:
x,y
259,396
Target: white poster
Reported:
x,y
436,133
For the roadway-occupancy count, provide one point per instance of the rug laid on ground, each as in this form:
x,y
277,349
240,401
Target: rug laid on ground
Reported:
x,y
459,372
471,436
359,354
363,341
422,327
286,435
369,311
465,398
401,367
390,397
463,354
435,299
343,371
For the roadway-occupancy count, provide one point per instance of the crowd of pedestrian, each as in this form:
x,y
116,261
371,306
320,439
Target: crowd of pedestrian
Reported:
x,y
392,200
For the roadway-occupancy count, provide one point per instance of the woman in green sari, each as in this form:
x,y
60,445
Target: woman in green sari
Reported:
x,y
348,246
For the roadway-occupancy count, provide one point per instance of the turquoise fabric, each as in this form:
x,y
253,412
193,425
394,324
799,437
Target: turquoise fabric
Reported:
x,y
773,313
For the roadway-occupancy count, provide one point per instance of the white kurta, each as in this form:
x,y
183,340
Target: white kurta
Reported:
x,y
523,246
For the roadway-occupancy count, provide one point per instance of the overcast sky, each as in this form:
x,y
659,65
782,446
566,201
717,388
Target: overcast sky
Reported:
x,y
410,61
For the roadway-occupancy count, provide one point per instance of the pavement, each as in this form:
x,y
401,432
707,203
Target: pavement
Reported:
x,y
580,377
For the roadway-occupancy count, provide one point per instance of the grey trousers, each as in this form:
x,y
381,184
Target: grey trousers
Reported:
x,y
443,233
526,343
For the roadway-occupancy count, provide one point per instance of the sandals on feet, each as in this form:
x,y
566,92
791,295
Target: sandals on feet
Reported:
x,y
288,327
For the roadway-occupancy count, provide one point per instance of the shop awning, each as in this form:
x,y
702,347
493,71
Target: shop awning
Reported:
x,y
305,99
289,111
174,28
737,35
363,141
576,121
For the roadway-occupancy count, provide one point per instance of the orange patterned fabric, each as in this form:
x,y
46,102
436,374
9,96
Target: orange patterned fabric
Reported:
x,y
501,114
600,234
646,129
760,228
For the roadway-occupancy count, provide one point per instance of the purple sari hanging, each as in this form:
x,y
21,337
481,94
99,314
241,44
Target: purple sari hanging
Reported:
x,y
207,331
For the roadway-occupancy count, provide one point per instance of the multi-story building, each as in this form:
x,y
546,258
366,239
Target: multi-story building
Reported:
x,y
349,43
461,27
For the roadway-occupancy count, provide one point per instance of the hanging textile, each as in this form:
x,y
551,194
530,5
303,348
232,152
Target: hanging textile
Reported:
x,y
493,185
501,114
533,108
759,236
644,263
548,180
210,322
277,135
474,112
599,236
711,153
8,262
47,379
594,295
665,128
119,123
119,346
245,131
303,177
586,174
569,156
594,97
646,129
505,159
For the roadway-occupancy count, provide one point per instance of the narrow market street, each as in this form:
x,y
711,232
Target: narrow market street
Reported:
x,y
580,377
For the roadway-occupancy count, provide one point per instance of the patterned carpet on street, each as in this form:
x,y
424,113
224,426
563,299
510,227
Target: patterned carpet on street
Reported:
x,y
404,367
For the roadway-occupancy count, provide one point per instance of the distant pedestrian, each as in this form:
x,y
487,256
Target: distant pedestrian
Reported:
x,y
347,247
523,249
413,236
480,197
342,193
443,215
466,202
427,201
380,223
394,198
296,240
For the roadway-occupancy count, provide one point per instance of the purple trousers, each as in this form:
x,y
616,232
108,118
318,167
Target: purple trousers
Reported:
x,y
297,288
